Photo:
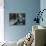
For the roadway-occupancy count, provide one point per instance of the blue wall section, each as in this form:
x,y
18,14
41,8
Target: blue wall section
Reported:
x,y
14,33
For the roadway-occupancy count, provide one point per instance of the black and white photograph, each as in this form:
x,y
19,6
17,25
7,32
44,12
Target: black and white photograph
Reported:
x,y
17,18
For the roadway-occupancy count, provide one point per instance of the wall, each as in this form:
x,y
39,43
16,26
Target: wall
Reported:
x,y
1,21
14,33
43,6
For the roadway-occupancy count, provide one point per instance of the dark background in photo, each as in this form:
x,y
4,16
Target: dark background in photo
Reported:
x,y
17,18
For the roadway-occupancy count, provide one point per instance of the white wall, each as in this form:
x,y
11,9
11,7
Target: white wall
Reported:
x,y
43,6
1,21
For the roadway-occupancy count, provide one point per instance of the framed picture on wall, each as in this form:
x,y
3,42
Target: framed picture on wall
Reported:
x,y
17,18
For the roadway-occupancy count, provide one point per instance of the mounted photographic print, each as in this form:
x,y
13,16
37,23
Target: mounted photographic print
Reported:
x,y
17,18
